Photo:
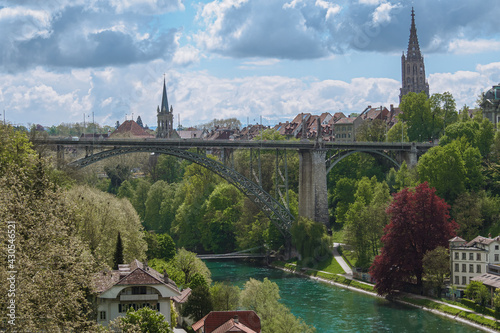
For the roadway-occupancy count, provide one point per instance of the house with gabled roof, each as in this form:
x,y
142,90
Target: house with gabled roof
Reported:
x,y
135,286
228,321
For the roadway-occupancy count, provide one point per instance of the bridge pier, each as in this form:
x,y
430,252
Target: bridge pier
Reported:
x,y
313,195
411,157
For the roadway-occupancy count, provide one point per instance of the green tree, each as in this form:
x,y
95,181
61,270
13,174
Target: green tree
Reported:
x,y
144,320
263,298
416,113
310,239
225,297
398,134
444,112
118,256
100,217
477,292
189,264
160,246
496,299
199,303
222,211
117,175
159,207
372,130
467,213
436,264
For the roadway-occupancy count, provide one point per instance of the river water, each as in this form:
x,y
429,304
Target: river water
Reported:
x,y
334,309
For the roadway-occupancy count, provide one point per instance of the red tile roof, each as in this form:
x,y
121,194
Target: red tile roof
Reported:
x,y
130,128
216,319
183,297
233,325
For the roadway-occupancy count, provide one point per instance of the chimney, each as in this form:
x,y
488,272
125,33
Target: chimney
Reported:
x,y
392,107
146,268
489,235
165,275
236,319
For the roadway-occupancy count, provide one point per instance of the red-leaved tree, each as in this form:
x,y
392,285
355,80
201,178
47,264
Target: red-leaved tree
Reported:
x,y
419,223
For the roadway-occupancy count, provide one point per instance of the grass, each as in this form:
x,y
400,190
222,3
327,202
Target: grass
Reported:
x,y
453,311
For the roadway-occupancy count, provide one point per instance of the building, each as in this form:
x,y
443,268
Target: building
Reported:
x,y
165,117
472,259
412,66
134,285
490,104
228,321
130,129
345,129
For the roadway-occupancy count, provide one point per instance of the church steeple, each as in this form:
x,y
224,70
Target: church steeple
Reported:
x,y
412,66
164,116
164,99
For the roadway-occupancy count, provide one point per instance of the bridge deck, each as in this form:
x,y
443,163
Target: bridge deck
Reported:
x,y
235,144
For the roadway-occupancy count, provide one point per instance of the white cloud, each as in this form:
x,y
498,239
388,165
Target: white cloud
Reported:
x,y
464,46
382,14
186,55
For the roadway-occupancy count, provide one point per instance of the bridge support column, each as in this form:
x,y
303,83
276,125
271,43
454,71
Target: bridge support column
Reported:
x,y
313,195
411,157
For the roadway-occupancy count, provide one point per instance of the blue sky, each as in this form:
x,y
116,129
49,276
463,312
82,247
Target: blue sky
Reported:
x,y
233,58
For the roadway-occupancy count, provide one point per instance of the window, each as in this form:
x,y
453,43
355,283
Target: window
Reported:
x,y
456,255
139,290
478,256
496,257
471,268
471,256
457,268
464,256
102,315
496,247
478,269
457,279
464,268
464,280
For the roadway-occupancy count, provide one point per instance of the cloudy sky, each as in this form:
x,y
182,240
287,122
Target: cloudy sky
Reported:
x,y
62,60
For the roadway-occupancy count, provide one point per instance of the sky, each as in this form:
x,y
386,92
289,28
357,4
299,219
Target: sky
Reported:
x,y
63,61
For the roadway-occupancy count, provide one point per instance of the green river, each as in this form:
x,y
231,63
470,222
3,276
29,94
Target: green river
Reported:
x,y
334,309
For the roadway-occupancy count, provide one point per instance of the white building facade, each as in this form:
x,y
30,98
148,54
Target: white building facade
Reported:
x,y
469,260
133,286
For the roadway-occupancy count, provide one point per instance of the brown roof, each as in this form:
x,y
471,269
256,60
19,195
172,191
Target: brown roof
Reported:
x,y
233,325
490,280
131,274
183,297
347,120
456,239
216,319
483,240
130,128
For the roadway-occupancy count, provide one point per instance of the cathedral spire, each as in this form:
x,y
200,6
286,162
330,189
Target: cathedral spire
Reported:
x,y
412,66
413,47
164,99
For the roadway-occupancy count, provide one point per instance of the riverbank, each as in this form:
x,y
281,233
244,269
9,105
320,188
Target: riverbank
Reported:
x,y
459,314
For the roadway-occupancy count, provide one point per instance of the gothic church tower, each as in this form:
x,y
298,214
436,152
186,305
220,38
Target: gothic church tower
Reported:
x,y
412,66
165,116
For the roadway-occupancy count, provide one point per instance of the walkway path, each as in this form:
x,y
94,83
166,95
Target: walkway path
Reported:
x,y
341,261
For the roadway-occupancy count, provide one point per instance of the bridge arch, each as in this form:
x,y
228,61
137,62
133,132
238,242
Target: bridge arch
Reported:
x,y
341,155
277,213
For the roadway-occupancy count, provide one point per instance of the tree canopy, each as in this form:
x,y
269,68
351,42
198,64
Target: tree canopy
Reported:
x,y
419,222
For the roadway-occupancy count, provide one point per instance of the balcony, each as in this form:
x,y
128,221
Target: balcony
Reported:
x,y
142,297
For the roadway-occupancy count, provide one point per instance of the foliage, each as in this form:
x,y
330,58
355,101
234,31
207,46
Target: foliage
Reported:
x,y
251,228
467,213
398,134
310,239
270,134
117,175
169,268
231,123
443,110
189,264
459,169
118,255
496,299
263,298
160,203
198,304
366,218
160,246
222,211
436,265
374,130
100,217
416,112
225,297
419,223
144,320
53,267
170,168
477,292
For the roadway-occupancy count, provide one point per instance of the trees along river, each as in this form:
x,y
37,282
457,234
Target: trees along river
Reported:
x,y
333,309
